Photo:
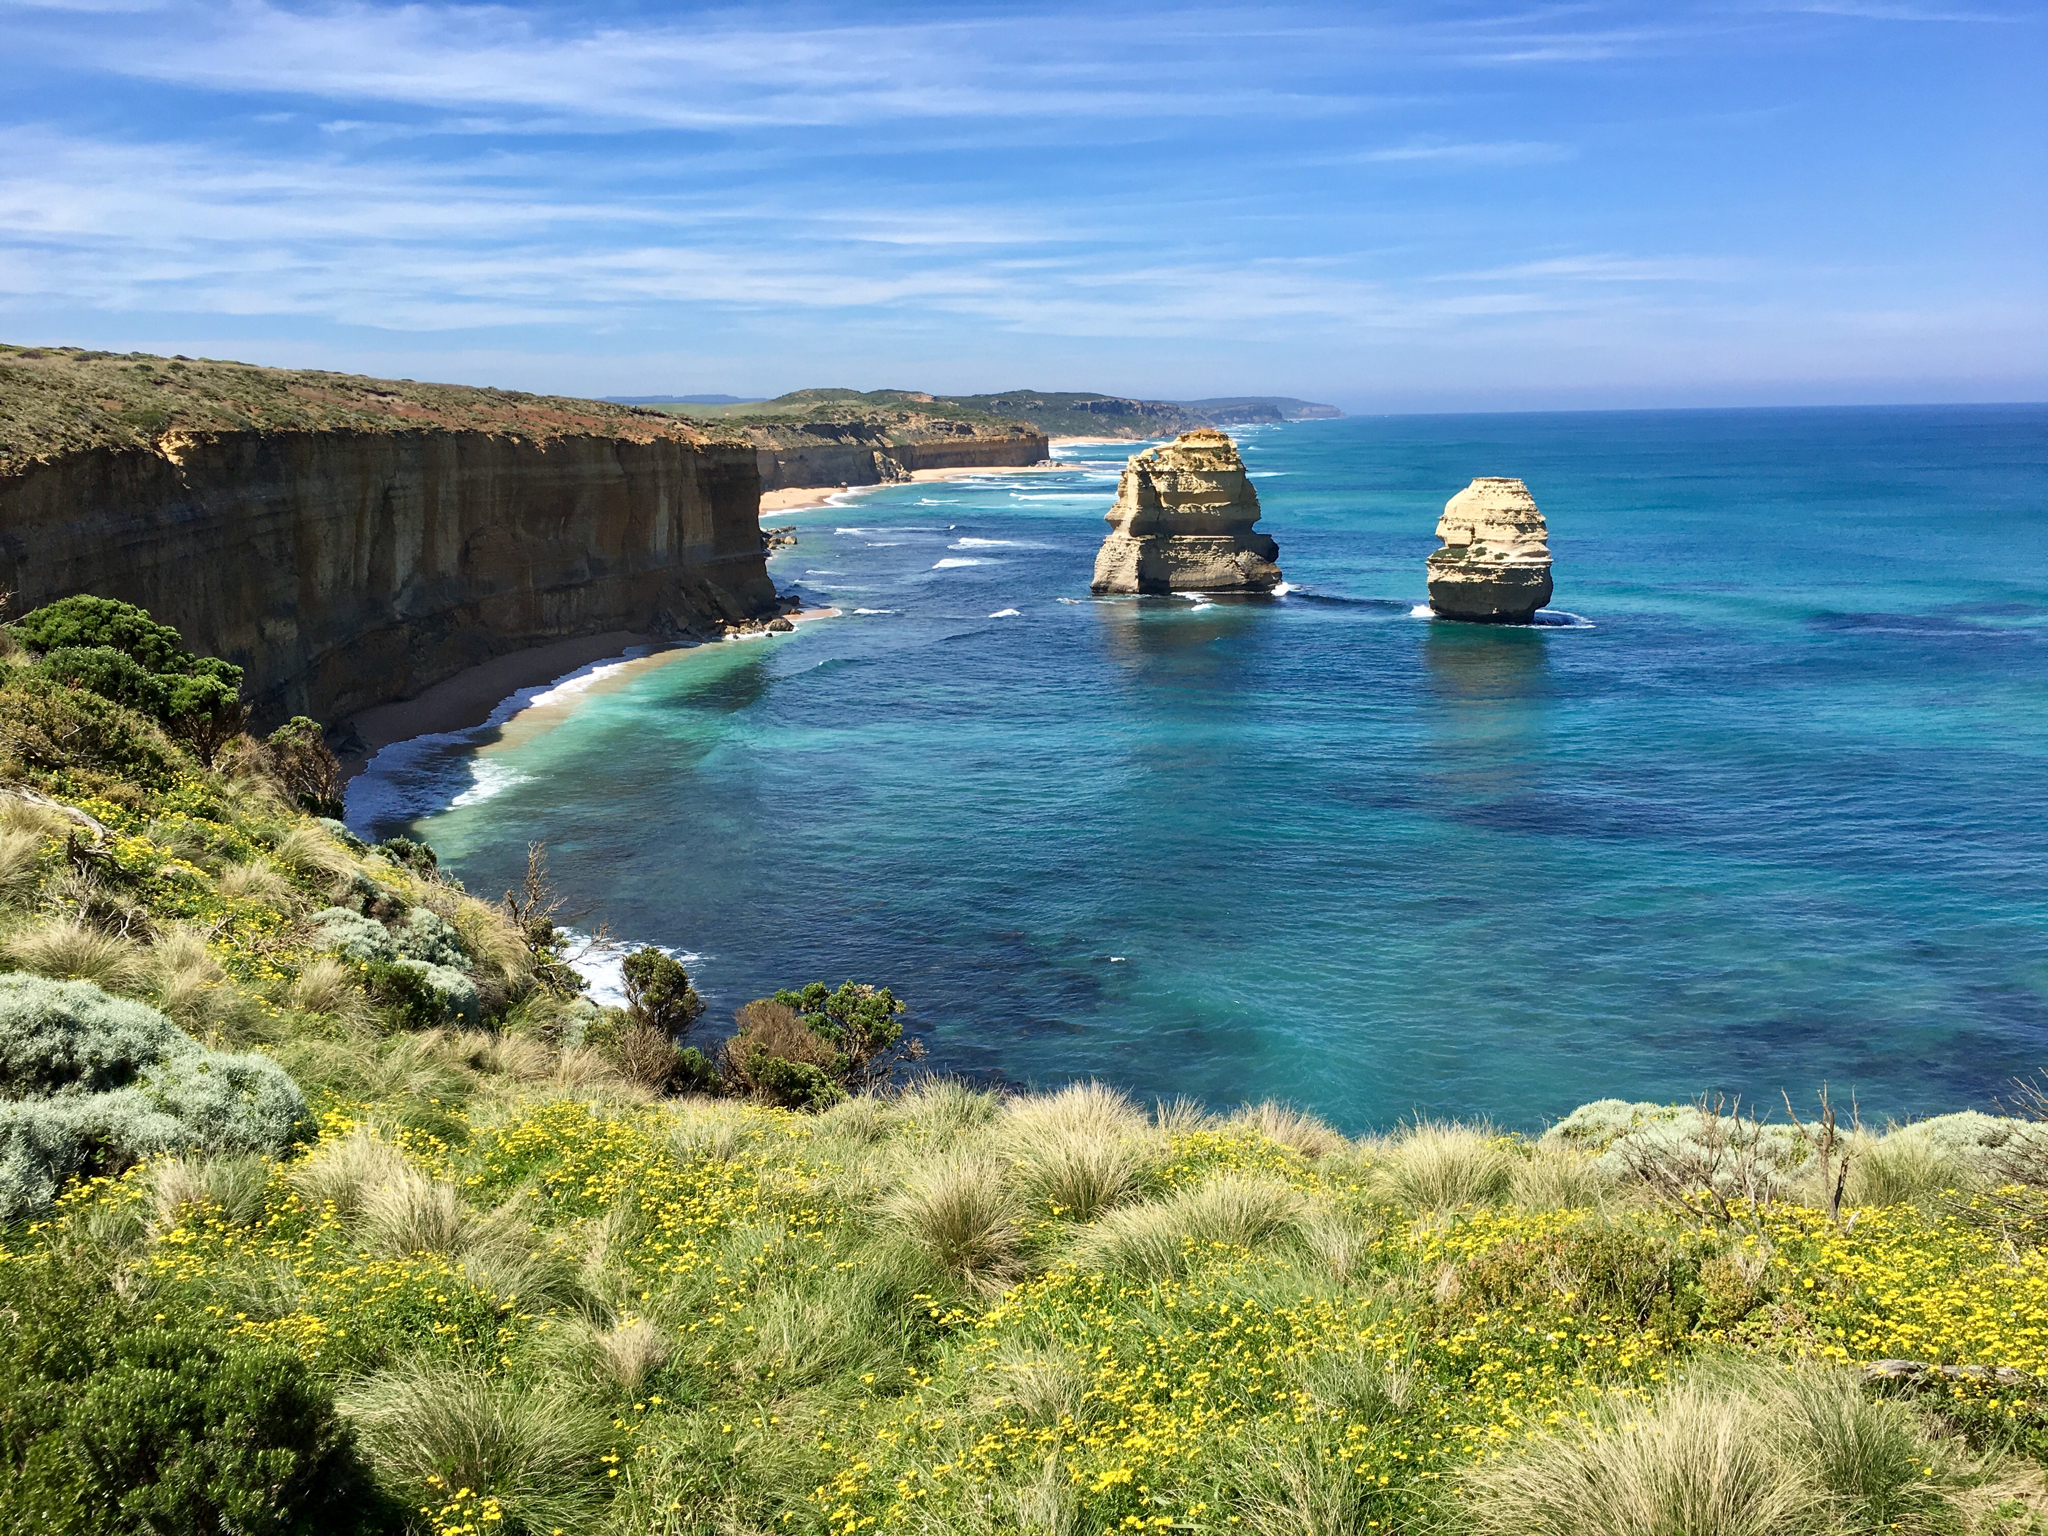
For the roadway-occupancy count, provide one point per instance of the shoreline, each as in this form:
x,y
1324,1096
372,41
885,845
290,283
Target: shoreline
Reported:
x,y
798,498
470,698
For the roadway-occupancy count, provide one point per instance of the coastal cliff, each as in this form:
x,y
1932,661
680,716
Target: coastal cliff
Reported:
x,y
350,542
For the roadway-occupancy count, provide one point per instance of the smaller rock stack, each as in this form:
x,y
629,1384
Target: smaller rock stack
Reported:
x,y
1494,567
1183,523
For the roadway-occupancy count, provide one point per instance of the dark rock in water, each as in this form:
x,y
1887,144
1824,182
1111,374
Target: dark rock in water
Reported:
x,y
1494,567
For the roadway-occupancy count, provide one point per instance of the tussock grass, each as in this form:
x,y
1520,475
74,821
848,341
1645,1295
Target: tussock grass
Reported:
x,y
233,1186
1559,1179
943,1110
629,1353
1902,1168
532,1447
312,855
1176,1117
1736,1448
412,1213
1438,1166
961,1217
258,881
1312,1137
344,1172
21,852
66,950
327,987
1041,1384
1166,1237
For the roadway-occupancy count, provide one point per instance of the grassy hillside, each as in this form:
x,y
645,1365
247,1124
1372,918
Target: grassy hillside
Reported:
x,y
1055,414
331,1205
56,400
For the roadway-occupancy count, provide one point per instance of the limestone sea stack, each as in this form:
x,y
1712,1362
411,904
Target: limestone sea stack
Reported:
x,y
1183,523
1494,567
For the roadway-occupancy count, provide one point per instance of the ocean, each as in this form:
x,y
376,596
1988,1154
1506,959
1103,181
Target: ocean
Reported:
x,y
1761,805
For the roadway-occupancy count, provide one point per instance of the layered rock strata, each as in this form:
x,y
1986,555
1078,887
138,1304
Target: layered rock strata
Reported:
x,y
347,568
1183,523
865,454
1494,567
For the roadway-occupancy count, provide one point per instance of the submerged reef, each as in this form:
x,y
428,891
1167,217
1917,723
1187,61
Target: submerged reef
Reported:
x,y
1183,523
1494,567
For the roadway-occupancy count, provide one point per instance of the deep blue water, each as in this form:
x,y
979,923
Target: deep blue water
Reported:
x,y
1775,813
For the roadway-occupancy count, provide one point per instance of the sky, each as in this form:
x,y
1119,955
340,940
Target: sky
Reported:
x,y
1404,207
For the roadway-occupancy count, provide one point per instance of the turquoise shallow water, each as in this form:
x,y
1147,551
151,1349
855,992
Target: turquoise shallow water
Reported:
x,y
1773,811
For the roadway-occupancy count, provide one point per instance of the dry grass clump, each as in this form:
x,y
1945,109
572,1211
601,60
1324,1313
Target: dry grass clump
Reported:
x,y
67,950
258,881
344,1172
1165,1237
328,987
1742,1450
961,1218
413,1214
1312,1137
1438,1166
21,854
1078,1152
534,1449
1559,1179
235,1186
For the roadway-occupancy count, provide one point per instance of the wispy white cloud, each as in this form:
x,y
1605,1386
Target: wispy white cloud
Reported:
x,y
1502,152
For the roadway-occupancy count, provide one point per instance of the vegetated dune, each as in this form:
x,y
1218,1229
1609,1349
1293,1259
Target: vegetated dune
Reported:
x,y
459,1251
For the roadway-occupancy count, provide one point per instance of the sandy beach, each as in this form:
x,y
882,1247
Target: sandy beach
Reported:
x,y
472,696
799,497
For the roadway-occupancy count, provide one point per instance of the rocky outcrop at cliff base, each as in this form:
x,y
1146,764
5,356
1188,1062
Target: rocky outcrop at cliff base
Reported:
x,y
1183,523
1494,567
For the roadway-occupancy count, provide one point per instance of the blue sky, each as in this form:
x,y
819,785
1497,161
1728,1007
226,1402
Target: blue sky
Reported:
x,y
1402,207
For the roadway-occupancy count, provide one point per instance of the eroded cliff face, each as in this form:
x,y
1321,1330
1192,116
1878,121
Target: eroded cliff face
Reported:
x,y
349,568
1182,522
857,453
1494,567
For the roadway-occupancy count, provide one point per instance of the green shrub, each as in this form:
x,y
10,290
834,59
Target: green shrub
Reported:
x,y
775,1057
863,1023
95,622
299,759
351,935
118,651
50,728
647,1055
123,1418
70,1037
658,992
402,989
109,673
91,1084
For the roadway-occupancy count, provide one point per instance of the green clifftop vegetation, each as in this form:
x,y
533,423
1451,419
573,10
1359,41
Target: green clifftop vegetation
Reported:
x,y
909,414
60,400
331,1204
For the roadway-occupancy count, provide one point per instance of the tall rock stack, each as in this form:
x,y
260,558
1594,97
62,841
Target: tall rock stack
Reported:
x,y
1494,567
1183,523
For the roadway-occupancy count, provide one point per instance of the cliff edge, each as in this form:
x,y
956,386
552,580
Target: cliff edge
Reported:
x,y
352,541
